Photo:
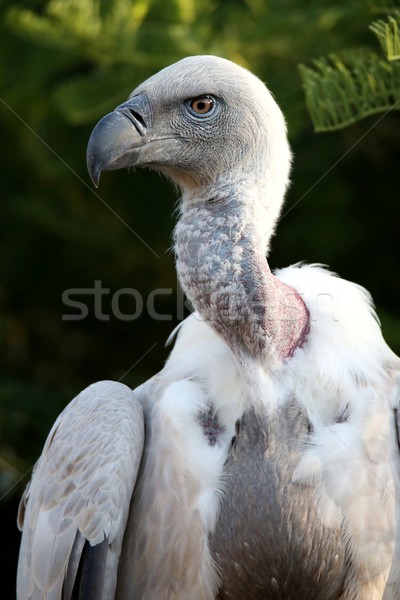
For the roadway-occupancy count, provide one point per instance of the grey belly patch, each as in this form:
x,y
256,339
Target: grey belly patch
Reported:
x,y
269,542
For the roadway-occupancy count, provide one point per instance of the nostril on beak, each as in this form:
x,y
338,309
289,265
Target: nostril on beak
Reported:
x,y
138,110
138,117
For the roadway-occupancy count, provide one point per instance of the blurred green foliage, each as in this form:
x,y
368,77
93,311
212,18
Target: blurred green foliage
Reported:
x,y
346,87
63,65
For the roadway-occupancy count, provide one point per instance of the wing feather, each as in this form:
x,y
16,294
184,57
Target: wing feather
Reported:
x,y
73,565
74,510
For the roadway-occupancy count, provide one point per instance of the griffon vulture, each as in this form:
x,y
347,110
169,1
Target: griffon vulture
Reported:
x,y
262,462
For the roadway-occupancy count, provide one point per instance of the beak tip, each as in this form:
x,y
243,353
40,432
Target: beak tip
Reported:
x,y
95,177
94,169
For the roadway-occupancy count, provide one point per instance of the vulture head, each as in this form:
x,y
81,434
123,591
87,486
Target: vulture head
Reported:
x,y
204,122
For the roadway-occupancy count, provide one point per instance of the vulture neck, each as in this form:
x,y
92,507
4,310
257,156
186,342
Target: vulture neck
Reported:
x,y
221,241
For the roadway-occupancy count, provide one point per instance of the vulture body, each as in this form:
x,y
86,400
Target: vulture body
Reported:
x,y
262,462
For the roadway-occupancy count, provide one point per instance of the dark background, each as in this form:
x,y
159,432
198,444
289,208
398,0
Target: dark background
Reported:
x,y
65,64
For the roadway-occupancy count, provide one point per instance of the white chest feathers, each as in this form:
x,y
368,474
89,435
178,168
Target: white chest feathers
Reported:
x,y
343,376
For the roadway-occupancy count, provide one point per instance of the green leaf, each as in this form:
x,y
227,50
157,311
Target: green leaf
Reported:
x,y
388,34
342,89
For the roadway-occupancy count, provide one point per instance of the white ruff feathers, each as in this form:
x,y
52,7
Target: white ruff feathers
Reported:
x,y
342,375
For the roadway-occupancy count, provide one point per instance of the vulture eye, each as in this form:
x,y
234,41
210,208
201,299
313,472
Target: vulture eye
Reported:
x,y
203,106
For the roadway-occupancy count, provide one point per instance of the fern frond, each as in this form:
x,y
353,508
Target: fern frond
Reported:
x,y
342,89
388,34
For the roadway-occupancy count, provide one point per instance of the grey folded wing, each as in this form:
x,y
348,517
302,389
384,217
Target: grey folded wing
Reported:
x,y
74,510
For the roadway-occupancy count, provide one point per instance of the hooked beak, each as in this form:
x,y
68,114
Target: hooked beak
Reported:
x,y
116,140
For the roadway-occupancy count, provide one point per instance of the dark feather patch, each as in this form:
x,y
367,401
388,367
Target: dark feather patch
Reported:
x,y
89,580
211,426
